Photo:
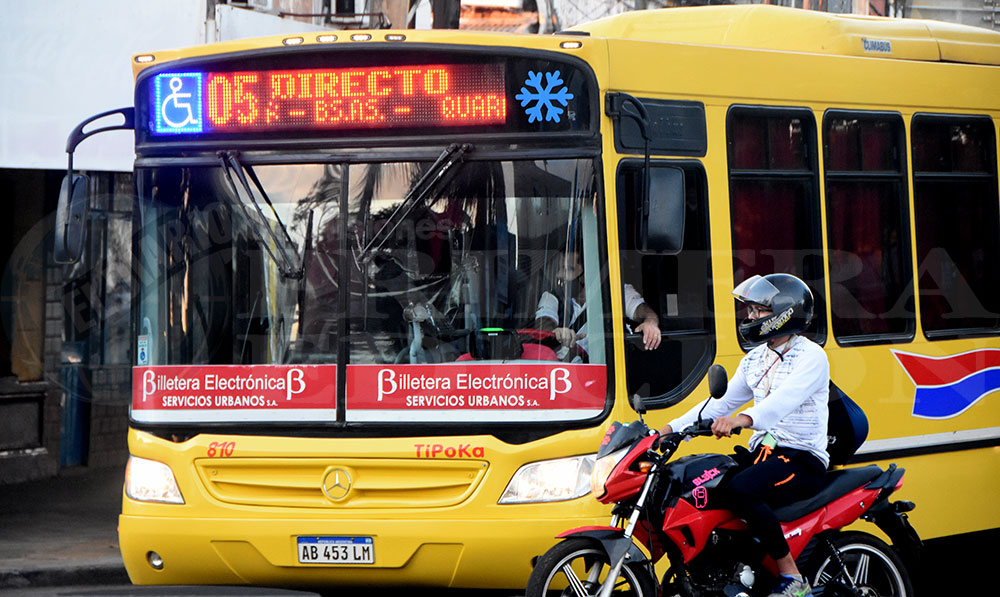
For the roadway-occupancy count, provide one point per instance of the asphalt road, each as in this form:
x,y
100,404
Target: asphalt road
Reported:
x,y
949,567
131,591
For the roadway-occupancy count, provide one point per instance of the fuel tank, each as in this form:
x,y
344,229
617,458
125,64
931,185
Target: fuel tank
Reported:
x,y
697,474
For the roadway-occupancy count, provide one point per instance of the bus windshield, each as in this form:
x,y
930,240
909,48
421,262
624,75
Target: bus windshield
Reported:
x,y
447,261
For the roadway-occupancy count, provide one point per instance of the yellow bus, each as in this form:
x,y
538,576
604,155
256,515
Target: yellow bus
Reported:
x,y
350,248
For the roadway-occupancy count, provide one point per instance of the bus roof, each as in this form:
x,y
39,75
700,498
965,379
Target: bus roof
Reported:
x,y
768,27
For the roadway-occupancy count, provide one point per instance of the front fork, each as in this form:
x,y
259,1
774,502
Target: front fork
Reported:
x,y
617,558
616,543
595,571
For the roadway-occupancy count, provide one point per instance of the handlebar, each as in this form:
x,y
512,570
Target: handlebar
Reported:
x,y
701,428
704,427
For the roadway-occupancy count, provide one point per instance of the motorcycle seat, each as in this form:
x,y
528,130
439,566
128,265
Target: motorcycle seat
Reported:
x,y
838,484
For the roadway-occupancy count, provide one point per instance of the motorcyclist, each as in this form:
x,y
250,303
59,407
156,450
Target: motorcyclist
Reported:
x,y
787,376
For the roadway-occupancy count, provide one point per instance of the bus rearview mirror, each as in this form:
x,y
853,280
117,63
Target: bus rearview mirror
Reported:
x,y
662,220
71,218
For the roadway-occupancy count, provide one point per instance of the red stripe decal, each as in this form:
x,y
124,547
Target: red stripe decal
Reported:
x,y
938,371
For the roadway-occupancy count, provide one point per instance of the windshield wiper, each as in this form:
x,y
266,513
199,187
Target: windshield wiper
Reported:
x,y
286,264
436,176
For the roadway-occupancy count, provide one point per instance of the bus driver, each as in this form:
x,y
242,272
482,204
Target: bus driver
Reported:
x,y
563,311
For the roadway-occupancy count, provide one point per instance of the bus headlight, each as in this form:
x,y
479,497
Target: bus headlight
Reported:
x,y
151,481
550,481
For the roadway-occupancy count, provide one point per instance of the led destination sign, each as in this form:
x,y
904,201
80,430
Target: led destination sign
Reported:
x,y
404,96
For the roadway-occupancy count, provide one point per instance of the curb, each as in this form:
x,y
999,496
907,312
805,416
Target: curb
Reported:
x,y
110,574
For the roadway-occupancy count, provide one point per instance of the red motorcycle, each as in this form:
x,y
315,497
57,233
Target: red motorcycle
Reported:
x,y
667,506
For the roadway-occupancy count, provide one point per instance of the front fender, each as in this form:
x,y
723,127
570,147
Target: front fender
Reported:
x,y
613,540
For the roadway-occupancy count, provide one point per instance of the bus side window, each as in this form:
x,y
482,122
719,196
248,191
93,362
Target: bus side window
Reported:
x,y
958,225
871,277
676,286
774,200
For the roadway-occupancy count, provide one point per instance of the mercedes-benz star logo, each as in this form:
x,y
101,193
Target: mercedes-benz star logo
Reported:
x,y
336,484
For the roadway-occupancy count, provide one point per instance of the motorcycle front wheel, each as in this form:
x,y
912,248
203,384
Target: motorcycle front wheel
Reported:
x,y
577,566
872,565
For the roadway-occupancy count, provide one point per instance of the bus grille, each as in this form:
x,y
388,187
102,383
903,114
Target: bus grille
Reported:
x,y
351,483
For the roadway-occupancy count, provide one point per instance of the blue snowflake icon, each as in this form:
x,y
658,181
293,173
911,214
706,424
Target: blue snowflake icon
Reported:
x,y
545,96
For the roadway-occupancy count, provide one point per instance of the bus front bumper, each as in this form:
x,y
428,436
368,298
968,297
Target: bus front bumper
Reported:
x,y
442,553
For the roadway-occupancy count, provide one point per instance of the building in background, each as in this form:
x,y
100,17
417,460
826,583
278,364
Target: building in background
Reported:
x,y
978,13
561,14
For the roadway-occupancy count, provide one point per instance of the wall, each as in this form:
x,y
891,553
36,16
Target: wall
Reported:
x,y
30,329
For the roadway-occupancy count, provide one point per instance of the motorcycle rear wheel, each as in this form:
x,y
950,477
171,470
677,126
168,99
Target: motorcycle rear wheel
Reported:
x,y
873,565
565,568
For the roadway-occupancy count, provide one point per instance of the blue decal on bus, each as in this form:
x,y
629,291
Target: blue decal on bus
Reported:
x,y
948,386
178,103
544,96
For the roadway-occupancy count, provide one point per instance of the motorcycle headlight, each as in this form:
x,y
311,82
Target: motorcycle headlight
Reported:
x,y
602,470
151,481
550,481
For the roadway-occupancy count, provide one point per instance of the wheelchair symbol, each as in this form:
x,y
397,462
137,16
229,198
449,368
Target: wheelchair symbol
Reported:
x,y
176,108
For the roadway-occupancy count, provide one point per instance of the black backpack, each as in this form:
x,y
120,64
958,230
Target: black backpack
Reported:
x,y
847,427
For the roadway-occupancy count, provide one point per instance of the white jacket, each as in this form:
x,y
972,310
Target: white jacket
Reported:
x,y
790,396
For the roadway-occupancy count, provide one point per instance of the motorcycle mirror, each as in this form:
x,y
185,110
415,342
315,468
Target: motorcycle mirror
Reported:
x,y
718,381
638,404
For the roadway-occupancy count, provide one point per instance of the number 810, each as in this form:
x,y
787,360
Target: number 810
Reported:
x,y
222,449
